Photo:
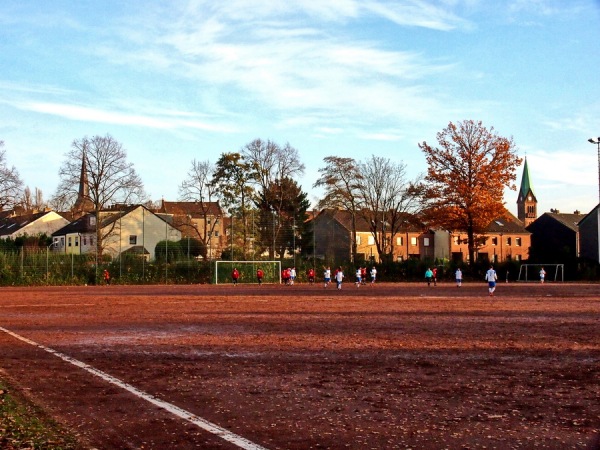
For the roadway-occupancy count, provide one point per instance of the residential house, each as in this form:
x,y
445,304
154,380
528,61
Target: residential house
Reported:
x,y
128,229
333,239
505,239
589,235
77,237
555,237
199,220
34,224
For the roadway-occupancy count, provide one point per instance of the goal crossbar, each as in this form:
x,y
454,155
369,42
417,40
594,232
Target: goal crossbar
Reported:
x,y
531,272
247,270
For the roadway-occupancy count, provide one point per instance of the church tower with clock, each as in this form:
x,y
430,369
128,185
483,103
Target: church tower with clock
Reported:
x,y
526,203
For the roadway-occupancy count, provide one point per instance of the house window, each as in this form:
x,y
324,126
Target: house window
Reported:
x,y
426,242
457,240
77,242
494,241
62,241
217,233
357,239
518,242
91,240
400,258
508,241
69,241
84,240
370,240
133,239
518,257
413,241
400,240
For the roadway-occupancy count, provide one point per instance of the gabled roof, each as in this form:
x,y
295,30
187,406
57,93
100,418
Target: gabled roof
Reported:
x,y
84,224
506,223
590,214
344,218
10,225
569,220
81,225
193,209
136,250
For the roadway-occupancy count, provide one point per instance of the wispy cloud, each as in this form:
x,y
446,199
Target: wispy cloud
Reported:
x,y
417,14
265,52
563,168
89,114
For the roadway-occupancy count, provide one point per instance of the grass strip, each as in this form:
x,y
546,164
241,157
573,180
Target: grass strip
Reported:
x,y
23,425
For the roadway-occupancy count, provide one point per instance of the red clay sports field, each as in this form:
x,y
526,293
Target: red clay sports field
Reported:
x,y
392,366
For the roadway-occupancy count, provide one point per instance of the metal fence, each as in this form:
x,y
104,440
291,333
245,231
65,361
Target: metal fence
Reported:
x,y
39,268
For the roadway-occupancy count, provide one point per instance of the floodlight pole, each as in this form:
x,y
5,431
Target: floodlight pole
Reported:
x,y
597,142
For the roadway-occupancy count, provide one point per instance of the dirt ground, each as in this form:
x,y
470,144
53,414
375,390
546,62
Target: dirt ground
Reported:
x,y
304,367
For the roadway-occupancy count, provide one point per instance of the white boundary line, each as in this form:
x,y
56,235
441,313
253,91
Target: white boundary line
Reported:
x,y
175,410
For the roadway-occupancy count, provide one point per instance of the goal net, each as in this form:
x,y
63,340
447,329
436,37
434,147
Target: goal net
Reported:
x,y
247,270
531,272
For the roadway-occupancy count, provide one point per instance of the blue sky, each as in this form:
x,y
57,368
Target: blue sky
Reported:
x,y
180,80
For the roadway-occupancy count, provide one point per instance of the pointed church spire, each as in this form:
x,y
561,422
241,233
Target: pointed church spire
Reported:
x,y
83,203
526,185
526,202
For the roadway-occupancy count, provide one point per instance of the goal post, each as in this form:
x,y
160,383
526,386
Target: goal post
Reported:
x,y
531,272
247,270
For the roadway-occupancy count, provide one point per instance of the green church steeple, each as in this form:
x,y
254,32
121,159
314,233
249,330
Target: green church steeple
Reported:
x,y
526,186
527,202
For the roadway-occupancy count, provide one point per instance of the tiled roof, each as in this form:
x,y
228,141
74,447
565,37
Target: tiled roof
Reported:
x,y
194,209
9,225
507,223
344,218
81,225
569,220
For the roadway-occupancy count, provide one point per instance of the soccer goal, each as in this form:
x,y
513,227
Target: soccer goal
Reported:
x,y
531,272
247,270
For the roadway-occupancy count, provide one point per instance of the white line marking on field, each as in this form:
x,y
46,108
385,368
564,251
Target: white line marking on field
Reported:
x,y
46,306
175,410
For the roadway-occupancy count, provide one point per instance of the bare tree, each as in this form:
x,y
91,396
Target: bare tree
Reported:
x,y
10,182
388,200
32,201
270,165
100,165
341,180
198,187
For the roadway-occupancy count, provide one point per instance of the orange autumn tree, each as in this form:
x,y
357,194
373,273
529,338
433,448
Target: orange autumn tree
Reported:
x,y
466,178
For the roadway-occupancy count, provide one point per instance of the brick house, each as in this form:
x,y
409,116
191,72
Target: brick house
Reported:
x,y
203,221
505,239
333,238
